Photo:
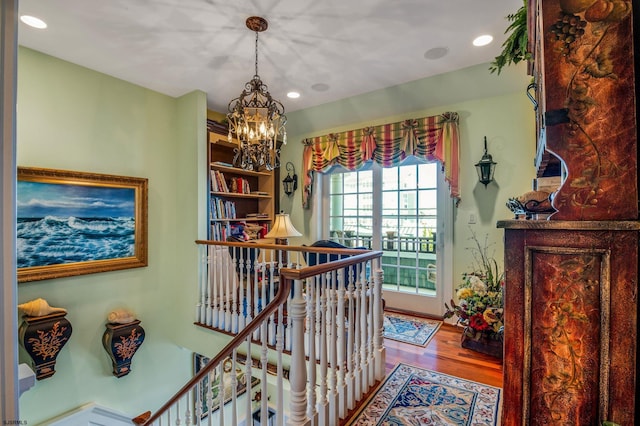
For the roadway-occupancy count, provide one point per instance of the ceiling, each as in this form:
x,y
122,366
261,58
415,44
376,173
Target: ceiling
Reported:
x,y
325,49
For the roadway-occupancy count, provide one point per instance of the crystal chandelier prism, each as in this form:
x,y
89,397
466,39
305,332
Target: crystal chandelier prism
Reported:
x,y
256,119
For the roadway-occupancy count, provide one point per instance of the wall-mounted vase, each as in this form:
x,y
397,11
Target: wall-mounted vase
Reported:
x,y
42,338
121,341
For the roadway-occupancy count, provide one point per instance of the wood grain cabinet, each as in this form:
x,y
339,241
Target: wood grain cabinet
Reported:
x,y
571,282
583,70
570,322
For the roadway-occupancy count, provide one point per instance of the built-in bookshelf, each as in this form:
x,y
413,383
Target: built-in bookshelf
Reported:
x,y
237,197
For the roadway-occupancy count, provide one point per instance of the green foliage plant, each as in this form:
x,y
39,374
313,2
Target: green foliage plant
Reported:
x,y
514,48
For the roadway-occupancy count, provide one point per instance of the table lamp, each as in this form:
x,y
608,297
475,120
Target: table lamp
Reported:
x,y
282,229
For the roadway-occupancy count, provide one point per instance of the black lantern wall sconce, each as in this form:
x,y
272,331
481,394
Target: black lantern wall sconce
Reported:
x,y
485,167
290,183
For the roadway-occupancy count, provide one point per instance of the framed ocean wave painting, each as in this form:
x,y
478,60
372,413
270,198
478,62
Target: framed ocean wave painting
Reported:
x,y
73,223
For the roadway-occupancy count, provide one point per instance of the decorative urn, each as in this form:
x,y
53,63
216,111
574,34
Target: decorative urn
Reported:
x,y
122,338
42,334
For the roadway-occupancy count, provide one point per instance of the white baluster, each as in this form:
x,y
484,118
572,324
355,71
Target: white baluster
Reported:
x,y
264,361
196,403
357,335
323,403
311,338
231,277
287,331
220,283
256,302
333,350
214,287
271,279
371,327
221,395
318,306
200,306
243,304
234,388
350,385
187,412
210,396
280,373
342,361
227,293
249,297
210,278
364,356
248,374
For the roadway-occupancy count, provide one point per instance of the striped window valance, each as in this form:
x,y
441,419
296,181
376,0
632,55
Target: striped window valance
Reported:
x,y
429,138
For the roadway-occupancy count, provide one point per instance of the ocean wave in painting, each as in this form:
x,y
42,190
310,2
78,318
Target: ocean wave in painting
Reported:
x,y
55,240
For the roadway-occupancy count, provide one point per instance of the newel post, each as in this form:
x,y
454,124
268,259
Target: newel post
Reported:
x,y
298,373
378,327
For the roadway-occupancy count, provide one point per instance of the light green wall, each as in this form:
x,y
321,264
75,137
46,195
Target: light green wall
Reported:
x,y
73,118
505,117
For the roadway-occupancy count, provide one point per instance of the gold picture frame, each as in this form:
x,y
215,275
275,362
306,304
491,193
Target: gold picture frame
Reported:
x,y
73,223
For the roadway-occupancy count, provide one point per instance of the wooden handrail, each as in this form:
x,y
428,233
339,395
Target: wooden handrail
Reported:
x,y
287,275
322,268
270,308
284,247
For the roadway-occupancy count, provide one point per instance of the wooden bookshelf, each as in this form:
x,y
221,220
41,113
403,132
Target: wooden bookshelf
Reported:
x,y
235,193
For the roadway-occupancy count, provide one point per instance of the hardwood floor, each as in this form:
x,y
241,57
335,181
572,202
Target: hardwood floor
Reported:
x,y
445,355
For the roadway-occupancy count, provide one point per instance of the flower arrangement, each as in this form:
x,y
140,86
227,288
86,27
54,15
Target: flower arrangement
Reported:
x,y
480,307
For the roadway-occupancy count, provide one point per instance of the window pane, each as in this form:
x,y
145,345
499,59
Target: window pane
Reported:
x,y
390,179
336,183
428,175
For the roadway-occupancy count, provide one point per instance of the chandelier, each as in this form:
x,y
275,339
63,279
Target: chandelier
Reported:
x,y
256,119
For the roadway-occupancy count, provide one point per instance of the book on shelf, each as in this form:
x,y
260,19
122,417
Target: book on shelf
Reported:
x,y
236,185
257,215
223,164
220,231
221,209
239,185
218,182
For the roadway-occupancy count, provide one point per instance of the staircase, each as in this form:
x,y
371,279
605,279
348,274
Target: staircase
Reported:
x,y
295,309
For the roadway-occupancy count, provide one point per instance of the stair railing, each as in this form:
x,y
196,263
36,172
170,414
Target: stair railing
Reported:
x,y
314,309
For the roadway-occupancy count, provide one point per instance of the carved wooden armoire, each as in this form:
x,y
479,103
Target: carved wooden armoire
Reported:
x,y
571,281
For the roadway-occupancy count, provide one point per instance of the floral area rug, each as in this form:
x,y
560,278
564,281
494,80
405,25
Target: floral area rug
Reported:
x,y
416,331
415,396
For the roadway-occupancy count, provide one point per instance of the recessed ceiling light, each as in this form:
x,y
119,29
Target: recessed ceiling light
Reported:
x,y
293,95
482,40
34,22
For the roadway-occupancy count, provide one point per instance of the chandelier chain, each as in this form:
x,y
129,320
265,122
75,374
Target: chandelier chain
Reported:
x,y
256,53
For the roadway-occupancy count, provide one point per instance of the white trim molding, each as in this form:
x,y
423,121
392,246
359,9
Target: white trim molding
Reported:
x,y
9,410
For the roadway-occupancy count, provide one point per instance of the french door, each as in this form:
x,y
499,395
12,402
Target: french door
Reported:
x,y
395,210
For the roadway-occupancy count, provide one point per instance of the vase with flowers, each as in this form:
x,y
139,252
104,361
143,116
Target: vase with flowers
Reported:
x,y
479,309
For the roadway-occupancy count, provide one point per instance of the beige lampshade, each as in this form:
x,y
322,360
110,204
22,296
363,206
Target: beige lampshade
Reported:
x,y
282,228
